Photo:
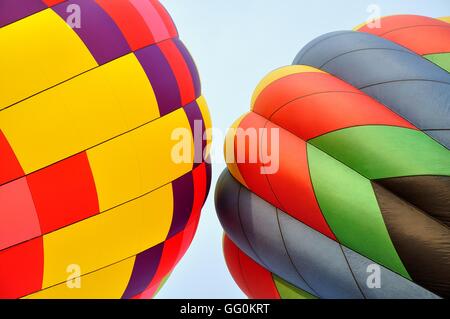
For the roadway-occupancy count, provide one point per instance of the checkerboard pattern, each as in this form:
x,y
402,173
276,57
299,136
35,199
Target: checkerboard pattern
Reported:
x,y
86,173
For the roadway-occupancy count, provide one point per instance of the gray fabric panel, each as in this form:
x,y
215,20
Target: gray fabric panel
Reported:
x,y
260,224
331,45
425,104
392,285
319,259
400,79
226,200
442,136
304,52
373,66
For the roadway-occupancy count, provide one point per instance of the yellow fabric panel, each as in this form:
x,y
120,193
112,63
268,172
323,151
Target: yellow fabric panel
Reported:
x,y
281,73
79,113
109,237
116,171
359,26
132,90
362,25
38,52
106,283
208,123
139,161
230,156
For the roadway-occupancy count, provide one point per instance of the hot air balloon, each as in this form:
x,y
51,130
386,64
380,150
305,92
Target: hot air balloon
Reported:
x,y
92,205
359,206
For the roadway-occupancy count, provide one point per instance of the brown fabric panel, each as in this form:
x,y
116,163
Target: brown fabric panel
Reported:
x,y
429,193
422,243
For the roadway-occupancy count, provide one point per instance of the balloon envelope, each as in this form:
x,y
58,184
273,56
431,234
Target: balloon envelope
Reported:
x,y
92,204
359,203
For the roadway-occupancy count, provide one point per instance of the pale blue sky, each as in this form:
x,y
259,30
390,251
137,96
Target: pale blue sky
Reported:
x,y
235,43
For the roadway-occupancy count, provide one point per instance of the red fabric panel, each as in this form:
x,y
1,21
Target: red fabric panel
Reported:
x,y
21,269
420,34
180,70
129,21
254,280
251,172
391,23
18,218
315,115
168,22
9,165
176,247
172,248
231,253
289,186
64,193
422,39
292,184
200,184
292,87
51,3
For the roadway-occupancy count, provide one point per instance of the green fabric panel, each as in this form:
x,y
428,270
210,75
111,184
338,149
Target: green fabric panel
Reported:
x,y
163,282
288,291
441,59
386,151
350,207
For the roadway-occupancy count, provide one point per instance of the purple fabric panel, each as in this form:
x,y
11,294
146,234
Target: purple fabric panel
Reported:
x,y
197,124
183,200
13,10
208,178
161,78
97,30
144,269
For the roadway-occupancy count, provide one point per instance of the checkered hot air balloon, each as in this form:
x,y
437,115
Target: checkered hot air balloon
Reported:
x,y
360,204
91,203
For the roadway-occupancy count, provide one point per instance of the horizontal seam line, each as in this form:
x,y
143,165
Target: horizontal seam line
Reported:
x,y
415,26
104,267
97,214
87,71
405,80
368,49
103,142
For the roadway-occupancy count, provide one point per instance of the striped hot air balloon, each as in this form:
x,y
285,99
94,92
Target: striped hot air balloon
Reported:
x,y
360,204
92,205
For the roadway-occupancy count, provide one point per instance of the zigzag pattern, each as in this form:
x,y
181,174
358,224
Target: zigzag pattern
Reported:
x,y
364,169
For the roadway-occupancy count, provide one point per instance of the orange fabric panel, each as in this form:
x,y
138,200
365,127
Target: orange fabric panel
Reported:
x,y
295,86
319,114
254,280
420,34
